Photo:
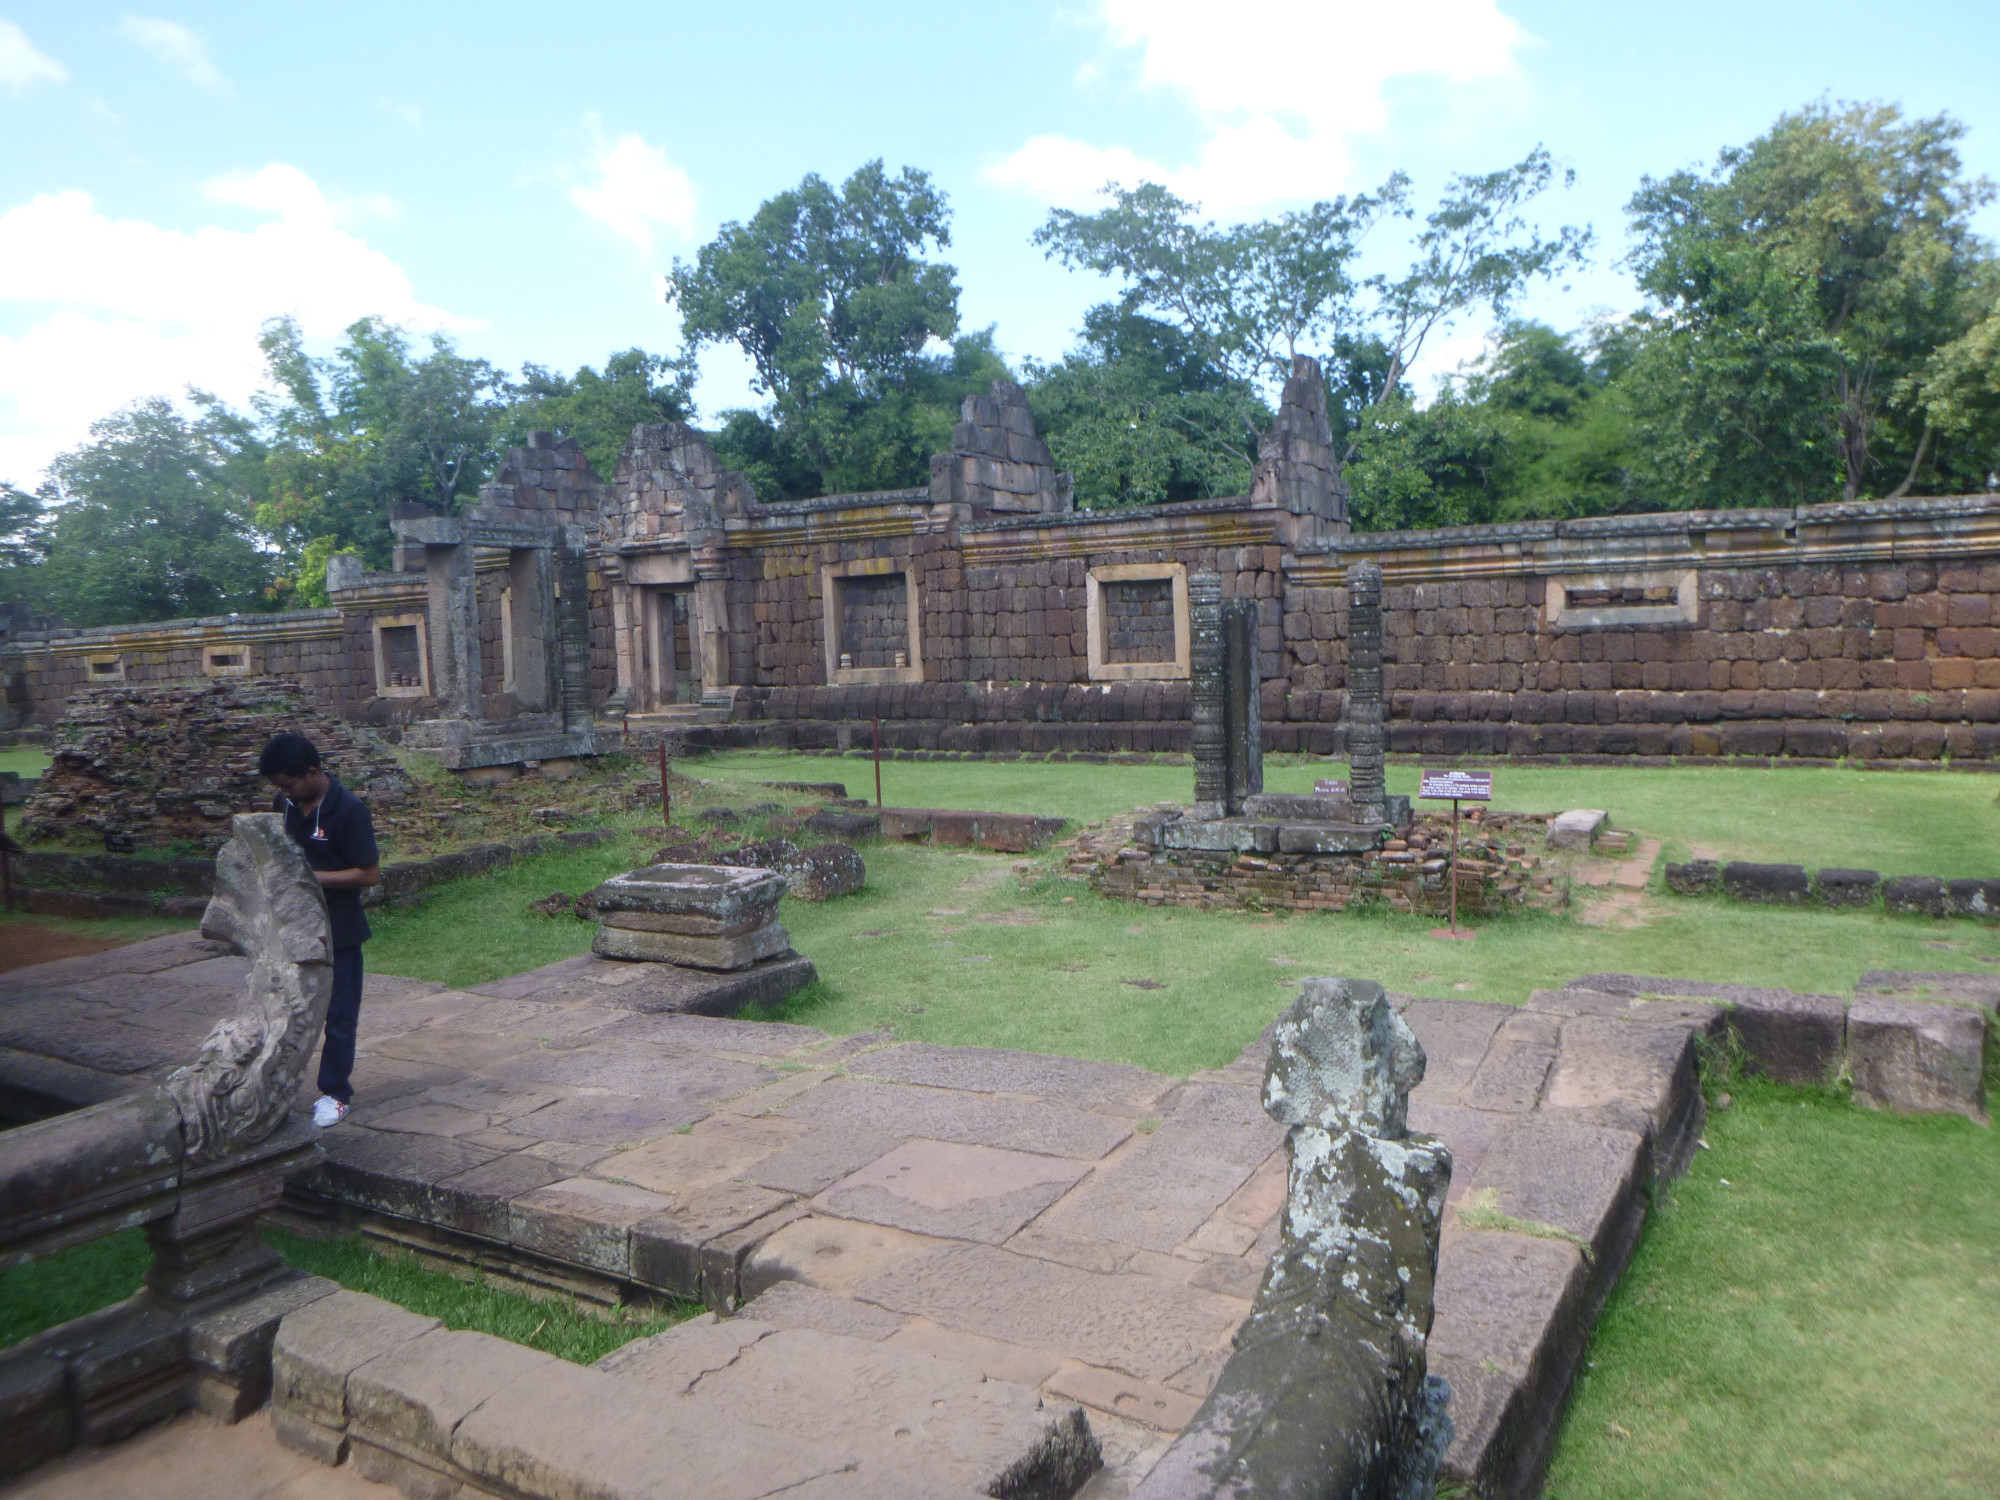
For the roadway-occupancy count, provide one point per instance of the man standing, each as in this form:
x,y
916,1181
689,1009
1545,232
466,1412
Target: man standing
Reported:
x,y
334,829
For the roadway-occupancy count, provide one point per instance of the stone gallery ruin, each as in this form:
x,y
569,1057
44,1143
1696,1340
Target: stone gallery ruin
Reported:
x,y
1363,1257
984,614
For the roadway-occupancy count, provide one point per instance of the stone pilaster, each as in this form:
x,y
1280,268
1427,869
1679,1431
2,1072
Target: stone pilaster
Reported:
x,y
1364,692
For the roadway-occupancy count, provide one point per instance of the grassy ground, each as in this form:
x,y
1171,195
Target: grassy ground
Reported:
x,y
1900,823
1815,1310
29,760
86,1277
957,948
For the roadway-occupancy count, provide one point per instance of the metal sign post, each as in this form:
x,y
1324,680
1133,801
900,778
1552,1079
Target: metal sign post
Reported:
x,y
878,765
1455,787
666,797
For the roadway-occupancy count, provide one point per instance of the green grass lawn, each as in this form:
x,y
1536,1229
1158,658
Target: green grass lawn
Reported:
x,y
1900,823
86,1277
1815,1310
29,760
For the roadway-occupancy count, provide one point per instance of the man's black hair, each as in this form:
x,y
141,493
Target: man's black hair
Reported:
x,y
288,755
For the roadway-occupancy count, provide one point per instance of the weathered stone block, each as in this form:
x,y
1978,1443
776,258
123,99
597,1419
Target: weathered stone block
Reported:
x,y
1914,896
1847,887
1769,885
1220,837
724,895
1972,898
1794,1038
1981,991
1327,838
416,1394
719,953
1698,877
1911,1056
318,1347
1577,829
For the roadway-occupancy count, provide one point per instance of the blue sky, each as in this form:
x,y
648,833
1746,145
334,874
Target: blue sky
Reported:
x,y
521,176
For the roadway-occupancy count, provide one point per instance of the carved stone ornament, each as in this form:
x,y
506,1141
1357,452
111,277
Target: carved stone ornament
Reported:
x,y
1327,1394
269,906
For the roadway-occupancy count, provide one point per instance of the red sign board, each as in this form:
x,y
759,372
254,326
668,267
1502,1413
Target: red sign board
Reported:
x,y
1456,786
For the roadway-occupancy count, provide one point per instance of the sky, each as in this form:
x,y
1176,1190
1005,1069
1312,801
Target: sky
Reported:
x,y
520,177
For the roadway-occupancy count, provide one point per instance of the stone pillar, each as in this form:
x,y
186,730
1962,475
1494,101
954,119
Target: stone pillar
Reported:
x,y
1206,670
531,626
1228,717
452,593
1364,692
1328,1391
571,614
1243,727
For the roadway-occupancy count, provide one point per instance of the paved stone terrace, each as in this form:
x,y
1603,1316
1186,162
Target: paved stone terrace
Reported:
x,y
1088,1231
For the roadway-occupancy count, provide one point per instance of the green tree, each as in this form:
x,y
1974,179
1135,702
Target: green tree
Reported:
x,y
600,411
862,441
151,519
21,537
1799,290
1249,297
1137,415
375,425
830,296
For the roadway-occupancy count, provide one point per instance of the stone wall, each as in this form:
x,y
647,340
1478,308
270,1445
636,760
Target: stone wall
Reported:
x,y
1866,630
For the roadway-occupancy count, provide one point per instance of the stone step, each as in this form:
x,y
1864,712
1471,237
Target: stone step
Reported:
x,y
912,1418
729,1410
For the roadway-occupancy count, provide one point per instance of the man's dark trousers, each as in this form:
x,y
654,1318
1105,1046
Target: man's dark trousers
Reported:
x,y
343,1016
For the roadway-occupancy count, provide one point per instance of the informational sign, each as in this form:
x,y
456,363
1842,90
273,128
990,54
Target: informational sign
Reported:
x,y
1456,786
1324,788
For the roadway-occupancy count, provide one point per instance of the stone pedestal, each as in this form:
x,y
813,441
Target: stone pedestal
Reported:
x,y
697,916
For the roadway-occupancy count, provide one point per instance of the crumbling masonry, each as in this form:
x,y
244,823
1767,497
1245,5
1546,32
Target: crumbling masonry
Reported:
x,y
984,614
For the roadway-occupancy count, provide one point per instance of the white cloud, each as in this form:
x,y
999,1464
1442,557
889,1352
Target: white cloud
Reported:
x,y
409,114
635,189
22,63
119,309
1282,88
174,46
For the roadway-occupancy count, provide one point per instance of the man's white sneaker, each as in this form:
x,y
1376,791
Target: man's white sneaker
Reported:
x,y
328,1111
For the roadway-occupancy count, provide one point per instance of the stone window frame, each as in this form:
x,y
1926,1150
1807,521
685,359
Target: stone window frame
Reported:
x,y
379,623
1094,623
1683,614
245,664
114,659
831,576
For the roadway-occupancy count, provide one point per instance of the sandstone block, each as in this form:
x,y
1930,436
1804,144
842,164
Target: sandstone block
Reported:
x,y
1698,877
319,1346
1979,990
1791,1037
416,1394
952,1191
1914,895
1837,887
1915,1057
1577,829
1770,885
1632,1077
723,894
723,954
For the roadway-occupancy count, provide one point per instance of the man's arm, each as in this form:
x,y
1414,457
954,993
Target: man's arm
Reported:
x,y
360,878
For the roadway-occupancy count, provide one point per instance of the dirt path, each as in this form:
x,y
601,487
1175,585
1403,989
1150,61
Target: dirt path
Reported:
x,y
25,943
196,1458
1623,883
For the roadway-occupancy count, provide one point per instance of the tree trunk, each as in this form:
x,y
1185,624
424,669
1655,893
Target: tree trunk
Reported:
x,y
1916,464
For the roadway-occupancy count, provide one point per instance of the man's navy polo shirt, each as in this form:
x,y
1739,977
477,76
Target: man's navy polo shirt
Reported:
x,y
338,834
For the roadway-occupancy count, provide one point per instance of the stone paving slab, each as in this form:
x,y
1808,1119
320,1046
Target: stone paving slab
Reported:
x,y
1086,1231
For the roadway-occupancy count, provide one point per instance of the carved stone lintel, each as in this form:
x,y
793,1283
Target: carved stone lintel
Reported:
x,y
268,905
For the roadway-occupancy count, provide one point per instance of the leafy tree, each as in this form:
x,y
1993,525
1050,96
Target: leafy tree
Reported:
x,y
1137,415
1800,289
829,294
1249,297
151,520
600,411
375,425
861,441
21,538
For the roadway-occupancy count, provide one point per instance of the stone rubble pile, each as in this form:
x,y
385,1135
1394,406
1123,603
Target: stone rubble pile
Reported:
x,y
1500,865
159,764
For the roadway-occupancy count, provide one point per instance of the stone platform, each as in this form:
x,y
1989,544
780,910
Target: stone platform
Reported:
x,y
1065,1235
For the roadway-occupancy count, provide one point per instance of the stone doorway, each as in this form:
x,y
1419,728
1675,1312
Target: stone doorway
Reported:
x,y
672,672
